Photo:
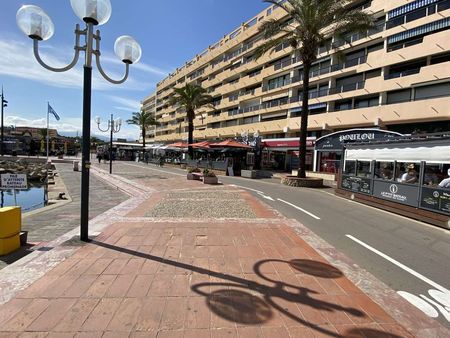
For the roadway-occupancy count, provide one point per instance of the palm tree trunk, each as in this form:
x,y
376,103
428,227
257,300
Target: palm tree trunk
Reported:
x,y
190,134
143,142
304,123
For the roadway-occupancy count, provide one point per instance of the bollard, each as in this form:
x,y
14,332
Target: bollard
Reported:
x,y
10,225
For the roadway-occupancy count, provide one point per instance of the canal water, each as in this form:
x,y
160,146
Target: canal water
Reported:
x,y
31,199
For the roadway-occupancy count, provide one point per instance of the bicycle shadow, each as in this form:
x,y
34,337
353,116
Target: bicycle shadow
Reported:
x,y
234,301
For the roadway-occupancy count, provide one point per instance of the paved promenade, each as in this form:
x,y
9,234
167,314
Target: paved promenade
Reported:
x,y
182,259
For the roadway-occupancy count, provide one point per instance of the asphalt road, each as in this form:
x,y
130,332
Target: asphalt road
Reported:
x,y
409,256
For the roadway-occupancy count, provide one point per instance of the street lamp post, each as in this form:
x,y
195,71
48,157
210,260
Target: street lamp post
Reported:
x,y
3,104
37,25
114,127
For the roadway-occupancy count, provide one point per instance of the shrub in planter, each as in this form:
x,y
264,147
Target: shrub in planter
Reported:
x,y
190,175
209,177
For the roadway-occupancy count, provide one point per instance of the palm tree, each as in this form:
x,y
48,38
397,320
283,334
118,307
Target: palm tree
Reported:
x,y
191,97
144,120
313,23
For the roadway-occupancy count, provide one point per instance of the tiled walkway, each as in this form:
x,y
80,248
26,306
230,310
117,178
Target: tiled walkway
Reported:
x,y
153,274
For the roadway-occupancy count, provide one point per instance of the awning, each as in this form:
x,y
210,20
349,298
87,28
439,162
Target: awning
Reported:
x,y
200,145
230,144
286,144
436,154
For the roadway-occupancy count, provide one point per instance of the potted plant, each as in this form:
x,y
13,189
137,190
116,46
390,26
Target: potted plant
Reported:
x,y
190,174
209,177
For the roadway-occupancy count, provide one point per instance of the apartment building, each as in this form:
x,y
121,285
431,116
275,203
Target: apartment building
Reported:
x,y
149,105
395,77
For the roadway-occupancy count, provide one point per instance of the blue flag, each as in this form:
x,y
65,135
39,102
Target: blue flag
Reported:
x,y
52,111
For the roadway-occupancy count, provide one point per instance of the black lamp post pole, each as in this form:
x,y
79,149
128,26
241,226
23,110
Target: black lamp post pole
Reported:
x,y
86,150
111,143
3,104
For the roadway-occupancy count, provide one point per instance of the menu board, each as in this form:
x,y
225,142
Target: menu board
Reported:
x,y
436,200
356,184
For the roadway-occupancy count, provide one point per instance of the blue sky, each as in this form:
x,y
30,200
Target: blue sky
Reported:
x,y
170,32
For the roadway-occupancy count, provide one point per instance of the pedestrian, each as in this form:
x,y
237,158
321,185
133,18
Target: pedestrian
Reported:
x,y
99,157
445,183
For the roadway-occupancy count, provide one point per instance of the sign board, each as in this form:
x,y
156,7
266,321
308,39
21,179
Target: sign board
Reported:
x,y
334,141
356,184
14,181
230,171
436,199
397,192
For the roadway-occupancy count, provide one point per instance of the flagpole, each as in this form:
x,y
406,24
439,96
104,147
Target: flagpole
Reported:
x,y
48,104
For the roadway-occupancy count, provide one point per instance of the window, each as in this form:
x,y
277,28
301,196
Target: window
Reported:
x,y
399,96
407,172
367,102
343,105
435,59
215,125
373,73
350,168
363,169
374,48
435,174
251,119
233,97
278,82
405,69
233,111
436,90
349,83
384,171
231,123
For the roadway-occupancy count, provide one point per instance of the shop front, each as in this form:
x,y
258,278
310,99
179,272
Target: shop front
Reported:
x,y
328,149
282,154
411,177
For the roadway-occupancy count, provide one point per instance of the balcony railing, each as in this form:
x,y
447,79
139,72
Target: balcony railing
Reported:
x,y
402,74
326,70
347,87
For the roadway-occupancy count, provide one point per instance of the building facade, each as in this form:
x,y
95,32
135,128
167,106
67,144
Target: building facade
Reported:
x,y
395,77
149,105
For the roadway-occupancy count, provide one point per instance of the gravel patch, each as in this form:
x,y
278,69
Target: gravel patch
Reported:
x,y
202,205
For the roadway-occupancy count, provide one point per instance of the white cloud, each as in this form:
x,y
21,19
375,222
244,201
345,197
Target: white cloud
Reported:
x,y
18,61
125,104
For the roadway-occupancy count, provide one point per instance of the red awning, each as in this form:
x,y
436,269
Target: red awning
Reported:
x,y
286,144
200,145
178,145
230,144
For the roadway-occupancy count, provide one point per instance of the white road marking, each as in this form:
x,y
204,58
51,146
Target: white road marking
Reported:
x,y
441,309
400,265
420,304
260,193
240,186
298,208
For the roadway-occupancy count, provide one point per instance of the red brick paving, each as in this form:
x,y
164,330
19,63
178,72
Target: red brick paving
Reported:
x,y
187,278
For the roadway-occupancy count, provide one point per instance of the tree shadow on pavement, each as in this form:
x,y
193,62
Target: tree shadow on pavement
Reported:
x,y
249,302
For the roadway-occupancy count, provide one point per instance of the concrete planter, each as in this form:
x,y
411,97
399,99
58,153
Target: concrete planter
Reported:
x,y
210,180
190,177
308,182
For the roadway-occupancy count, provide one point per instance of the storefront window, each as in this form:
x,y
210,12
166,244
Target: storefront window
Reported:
x,y
350,168
329,162
363,169
437,175
408,172
384,171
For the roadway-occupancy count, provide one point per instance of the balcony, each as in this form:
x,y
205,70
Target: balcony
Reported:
x,y
327,70
347,88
